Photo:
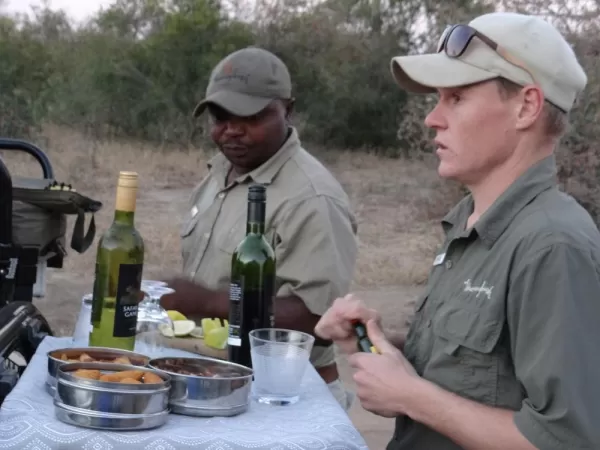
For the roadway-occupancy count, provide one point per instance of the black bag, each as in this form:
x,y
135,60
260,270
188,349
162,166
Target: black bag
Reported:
x,y
39,214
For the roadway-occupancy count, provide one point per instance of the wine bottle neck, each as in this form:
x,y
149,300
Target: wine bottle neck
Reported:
x,y
256,218
125,205
124,217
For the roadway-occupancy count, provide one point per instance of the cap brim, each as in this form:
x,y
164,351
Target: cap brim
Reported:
x,y
238,104
423,74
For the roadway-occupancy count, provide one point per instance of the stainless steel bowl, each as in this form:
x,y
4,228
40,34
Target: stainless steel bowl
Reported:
x,y
54,361
206,396
110,405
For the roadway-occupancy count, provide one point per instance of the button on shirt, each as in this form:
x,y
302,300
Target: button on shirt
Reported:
x,y
510,316
308,218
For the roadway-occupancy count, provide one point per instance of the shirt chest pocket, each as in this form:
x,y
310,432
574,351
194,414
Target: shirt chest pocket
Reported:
x,y
227,238
186,234
466,354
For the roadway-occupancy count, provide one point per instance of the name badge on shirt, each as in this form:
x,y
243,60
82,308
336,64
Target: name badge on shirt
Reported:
x,y
439,259
194,211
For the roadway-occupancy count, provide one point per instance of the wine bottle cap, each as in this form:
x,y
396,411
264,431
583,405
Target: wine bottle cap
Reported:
x,y
128,179
257,193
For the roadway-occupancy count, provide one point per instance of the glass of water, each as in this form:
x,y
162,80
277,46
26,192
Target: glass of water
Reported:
x,y
153,322
83,326
279,360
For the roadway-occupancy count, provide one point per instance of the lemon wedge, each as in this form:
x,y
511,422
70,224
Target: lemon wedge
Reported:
x,y
176,315
197,333
183,327
217,338
166,330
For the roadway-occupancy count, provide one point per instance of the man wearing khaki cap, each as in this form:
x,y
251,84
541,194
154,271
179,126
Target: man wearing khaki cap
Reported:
x,y
249,100
503,349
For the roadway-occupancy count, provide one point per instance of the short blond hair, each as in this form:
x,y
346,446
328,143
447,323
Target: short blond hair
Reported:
x,y
556,121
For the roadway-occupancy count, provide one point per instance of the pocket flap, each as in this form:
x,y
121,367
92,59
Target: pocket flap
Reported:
x,y
189,225
473,329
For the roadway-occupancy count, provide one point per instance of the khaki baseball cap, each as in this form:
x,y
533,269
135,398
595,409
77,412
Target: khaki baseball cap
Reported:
x,y
246,81
532,41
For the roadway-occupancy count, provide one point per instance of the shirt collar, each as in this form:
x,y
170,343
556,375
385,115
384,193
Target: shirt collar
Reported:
x,y
264,174
537,179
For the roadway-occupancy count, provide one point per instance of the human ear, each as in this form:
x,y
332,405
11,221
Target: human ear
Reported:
x,y
289,107
529,107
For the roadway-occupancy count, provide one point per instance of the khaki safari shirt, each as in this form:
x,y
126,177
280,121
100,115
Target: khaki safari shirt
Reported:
x,y
307,214
510,316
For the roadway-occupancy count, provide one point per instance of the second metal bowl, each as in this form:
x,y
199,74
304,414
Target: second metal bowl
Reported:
x,y
221,388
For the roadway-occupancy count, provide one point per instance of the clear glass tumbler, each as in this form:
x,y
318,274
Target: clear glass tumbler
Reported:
x,y
152,320
279,361
149,284
83,326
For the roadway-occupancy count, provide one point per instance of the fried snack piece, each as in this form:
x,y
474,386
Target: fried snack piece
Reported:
x,y
118,376
151,378
122,360
87,373
84,357
130,381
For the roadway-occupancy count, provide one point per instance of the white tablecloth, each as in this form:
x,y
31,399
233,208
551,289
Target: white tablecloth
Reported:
x,y
316,422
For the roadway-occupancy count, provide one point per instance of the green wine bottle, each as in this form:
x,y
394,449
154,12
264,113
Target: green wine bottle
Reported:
x,y
119,266
252,288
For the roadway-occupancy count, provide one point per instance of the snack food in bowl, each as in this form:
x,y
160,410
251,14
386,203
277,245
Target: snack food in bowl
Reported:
x,y
57,358
206,387
111,396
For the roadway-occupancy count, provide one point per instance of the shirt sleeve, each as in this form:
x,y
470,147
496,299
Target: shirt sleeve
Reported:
x,y
316,252
553,315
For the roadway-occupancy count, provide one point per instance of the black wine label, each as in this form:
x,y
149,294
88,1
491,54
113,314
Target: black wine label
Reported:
x,y
236,288
126,302
249,309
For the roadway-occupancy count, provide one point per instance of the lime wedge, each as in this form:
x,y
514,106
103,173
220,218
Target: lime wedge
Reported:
x,y
217,338
209,324
183,327
176,315
197,332
166,330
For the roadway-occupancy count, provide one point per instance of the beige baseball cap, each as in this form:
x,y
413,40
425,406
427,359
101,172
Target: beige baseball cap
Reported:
x,y
530,40
246,81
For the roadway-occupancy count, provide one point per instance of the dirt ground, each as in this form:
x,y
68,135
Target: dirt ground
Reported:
x,y
397,204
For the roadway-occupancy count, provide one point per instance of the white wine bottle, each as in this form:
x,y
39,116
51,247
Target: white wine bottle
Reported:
x,y
119,266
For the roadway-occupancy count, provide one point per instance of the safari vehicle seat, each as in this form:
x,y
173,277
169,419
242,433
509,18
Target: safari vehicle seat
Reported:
x,y
33,225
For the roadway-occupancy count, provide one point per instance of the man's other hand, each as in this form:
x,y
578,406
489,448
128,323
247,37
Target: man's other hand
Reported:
x,y
336,323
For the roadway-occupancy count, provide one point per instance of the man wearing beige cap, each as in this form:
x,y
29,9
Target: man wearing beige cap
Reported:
x,y
249,100
502,352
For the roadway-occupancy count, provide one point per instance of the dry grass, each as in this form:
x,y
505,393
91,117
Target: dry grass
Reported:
x,y
397,203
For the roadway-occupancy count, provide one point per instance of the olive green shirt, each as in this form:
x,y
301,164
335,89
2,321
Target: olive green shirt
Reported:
x,y
511,316
308,216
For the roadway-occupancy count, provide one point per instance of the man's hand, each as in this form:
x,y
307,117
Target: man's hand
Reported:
x,y
336,323
190,298
383,381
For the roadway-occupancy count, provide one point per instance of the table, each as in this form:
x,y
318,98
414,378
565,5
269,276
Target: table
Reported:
x,y
316,422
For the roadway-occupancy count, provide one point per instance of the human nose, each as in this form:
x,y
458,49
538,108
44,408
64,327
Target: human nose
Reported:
x,y
435,119
234,128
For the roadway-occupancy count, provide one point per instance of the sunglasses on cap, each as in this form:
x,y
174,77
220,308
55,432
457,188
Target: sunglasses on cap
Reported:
x,y
456,38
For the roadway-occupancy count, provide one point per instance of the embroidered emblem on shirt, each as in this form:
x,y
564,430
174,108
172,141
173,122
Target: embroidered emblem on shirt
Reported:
x,y
483,289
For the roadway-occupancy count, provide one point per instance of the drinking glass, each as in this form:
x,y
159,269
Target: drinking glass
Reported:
x,y
83,326
151,321
279,360
149,284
